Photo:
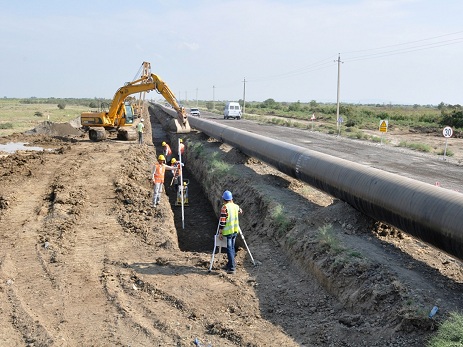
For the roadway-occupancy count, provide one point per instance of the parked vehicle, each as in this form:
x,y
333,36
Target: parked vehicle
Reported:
x,y
232,110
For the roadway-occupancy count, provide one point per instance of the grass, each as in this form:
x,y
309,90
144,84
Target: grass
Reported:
x,y
197,148
422,147
16,117
282,222
6,126
213,161
220,167
448,153
327,237
450,333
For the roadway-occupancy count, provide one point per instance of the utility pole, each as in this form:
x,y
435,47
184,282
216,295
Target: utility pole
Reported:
x,y
244,96
213,98
196,97
186,97
337,98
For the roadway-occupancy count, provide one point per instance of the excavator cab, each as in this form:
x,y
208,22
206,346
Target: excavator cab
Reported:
x,y
129,114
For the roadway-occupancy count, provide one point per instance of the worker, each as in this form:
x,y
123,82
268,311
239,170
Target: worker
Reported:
x,y
140,127
157,176
181,148
229,227
167,151
185,195
176,172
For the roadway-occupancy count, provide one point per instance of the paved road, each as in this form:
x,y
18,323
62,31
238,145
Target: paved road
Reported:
x,y
402,161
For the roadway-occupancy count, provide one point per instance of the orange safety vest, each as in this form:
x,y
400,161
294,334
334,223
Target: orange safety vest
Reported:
x,y
159,173
167,150
178,169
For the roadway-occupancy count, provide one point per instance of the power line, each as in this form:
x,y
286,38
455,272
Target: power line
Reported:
x,y
404,43
406,50
382,51
322,64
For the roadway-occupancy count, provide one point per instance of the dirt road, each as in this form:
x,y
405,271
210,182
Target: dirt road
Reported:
x,y
86,261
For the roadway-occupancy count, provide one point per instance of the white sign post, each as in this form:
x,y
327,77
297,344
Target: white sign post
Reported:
x,y
340,121
447,132
312,119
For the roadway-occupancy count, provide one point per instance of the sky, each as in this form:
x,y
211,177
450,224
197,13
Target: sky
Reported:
x,y
377,51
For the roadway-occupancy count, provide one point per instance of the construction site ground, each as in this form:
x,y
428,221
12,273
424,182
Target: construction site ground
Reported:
x,y
85,259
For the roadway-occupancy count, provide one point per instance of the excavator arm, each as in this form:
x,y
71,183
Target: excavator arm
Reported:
x,y
117,116
163,89
151,82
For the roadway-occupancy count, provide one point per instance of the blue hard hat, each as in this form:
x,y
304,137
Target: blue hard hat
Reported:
x,y
227,195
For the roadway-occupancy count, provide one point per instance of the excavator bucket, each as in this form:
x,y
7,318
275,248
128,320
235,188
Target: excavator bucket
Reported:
x,y
178,128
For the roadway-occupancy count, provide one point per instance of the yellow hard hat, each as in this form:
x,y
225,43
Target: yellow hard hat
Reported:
x,y
181,140
184,183
173,160
161,157
164,143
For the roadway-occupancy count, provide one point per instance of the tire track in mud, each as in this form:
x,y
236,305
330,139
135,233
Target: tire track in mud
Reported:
x,y
62,250
162,324
86,202
21,254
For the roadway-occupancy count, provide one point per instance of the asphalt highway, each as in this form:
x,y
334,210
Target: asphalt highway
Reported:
x,y
428,168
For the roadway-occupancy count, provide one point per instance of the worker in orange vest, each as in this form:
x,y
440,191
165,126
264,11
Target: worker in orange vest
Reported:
x,y
181,148
176,172
157,176
167,151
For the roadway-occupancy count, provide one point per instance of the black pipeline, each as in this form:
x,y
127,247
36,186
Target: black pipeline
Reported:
x,y
433,214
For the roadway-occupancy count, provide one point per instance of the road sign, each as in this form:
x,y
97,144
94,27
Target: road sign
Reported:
x,y
313,117
447,132
383,126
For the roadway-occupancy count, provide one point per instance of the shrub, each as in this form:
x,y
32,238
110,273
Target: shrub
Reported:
x,y
450,333
422,147
448,153
6,126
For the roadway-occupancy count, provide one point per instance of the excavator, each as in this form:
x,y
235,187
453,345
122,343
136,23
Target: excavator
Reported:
x,y
120,116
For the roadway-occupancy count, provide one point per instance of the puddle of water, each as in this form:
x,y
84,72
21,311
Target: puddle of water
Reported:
x,y
12,147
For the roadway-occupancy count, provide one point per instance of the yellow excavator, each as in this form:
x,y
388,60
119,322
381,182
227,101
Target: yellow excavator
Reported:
x,y
120,116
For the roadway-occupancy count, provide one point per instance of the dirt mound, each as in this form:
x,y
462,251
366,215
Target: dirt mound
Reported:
x,y
56,129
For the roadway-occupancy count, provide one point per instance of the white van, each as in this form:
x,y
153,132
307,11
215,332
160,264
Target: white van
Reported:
x,y
232,110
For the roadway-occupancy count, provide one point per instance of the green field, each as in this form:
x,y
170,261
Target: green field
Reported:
x,y
19,115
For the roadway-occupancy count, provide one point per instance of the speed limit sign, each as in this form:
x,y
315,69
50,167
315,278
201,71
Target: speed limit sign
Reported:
x,y
447,132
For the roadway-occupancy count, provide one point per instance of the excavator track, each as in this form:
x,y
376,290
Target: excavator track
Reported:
x,y
97,134
127,134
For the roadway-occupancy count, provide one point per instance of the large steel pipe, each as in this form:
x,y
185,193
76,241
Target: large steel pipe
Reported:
x,y
433,214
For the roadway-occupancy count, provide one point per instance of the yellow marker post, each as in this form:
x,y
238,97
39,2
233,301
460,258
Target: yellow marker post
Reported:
x,y
383,128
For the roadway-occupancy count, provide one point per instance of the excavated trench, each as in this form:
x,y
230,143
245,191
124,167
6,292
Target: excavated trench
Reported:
x,y
329,240
198,223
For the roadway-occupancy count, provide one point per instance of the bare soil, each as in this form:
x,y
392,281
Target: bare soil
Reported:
x,y
85,260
